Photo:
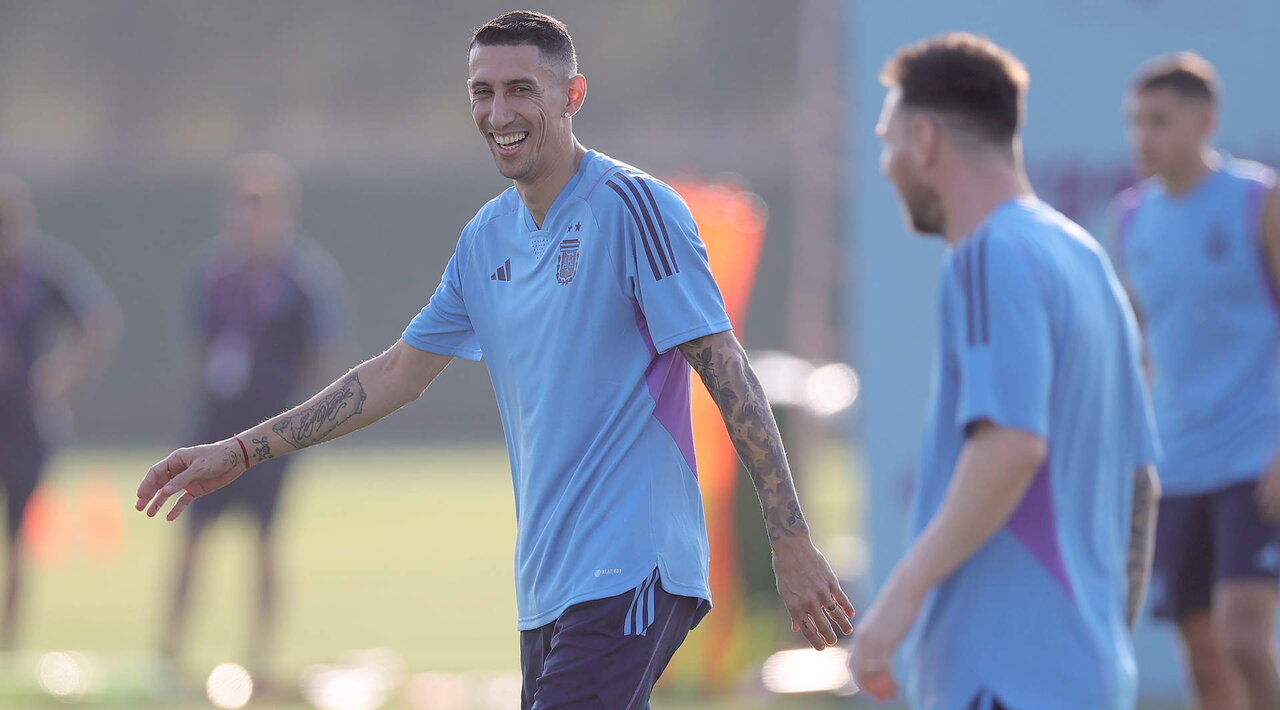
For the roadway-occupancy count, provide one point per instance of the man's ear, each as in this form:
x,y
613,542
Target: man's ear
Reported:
x,y
926,140
576,93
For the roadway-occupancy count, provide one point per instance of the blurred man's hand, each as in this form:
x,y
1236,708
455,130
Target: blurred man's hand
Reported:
x,y
1268,492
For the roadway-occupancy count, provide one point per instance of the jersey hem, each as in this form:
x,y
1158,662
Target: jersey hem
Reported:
x,y
540,620
693,333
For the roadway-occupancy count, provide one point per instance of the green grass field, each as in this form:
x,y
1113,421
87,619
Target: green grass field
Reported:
x,y
408,549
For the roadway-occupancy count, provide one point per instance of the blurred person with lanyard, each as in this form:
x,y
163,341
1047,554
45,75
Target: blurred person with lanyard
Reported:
x,y
587,289
1032,517
58,326
1198,243
268,309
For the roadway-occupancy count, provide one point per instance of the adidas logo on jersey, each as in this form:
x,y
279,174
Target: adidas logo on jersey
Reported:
x,y
503,273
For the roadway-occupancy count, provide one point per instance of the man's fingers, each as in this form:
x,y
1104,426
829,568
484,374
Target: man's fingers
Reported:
x,y
825,631
811,633
838,594
838,616
156,478
180,506
182,480
879,685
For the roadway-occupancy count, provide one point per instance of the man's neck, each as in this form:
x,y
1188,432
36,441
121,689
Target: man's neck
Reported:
x,y
541,192
988,182
1185,177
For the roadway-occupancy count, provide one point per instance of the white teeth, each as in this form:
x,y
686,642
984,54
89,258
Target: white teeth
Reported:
x,y
510,138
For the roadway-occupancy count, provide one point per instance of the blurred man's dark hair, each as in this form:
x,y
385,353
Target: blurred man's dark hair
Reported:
x,y
545,32
1187,74
968,80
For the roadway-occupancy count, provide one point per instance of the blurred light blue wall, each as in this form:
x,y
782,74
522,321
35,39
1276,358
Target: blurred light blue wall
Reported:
x,y
1081,55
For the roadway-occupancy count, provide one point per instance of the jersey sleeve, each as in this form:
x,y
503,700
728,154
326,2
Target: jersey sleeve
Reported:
x,y
1004,336
443,325
665,260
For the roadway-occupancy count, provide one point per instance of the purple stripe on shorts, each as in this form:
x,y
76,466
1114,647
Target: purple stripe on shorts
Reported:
x,y
668,379
1035,526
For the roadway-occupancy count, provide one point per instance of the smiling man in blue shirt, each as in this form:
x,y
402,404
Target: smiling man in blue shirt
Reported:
x,y
586,289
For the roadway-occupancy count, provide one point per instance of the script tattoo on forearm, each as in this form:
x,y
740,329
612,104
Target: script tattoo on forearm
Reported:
x,y
261,450
724,369
314,424
1142,526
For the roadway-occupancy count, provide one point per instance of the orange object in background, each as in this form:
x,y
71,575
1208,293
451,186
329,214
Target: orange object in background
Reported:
x,y
731,222
46,528
101,519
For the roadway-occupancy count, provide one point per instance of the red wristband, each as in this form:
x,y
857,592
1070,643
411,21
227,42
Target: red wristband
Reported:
x,y
244,451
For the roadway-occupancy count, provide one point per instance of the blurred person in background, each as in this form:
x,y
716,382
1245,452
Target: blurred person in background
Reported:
x,y
1198,243
58,327
1032,519
268,304
587,289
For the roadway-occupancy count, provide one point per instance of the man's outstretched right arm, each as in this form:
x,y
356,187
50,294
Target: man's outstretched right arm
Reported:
x,y
369,392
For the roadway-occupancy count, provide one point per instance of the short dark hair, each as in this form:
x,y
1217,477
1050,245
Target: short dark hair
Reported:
x,y
1187,74
545,32
967,77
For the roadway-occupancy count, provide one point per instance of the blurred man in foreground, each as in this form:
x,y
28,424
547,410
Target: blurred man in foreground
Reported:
x,y
58,326
267,311
1198,244
587,289
1034,508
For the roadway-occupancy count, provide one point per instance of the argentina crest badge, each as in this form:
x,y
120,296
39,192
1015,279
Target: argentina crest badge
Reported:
x,y
567,267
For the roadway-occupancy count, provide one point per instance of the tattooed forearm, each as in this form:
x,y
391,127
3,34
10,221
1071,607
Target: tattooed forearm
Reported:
x,y
1142,527
261,449
721,363
314,424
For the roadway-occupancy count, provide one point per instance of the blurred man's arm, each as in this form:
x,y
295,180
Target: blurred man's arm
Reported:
x,y
69,365
84,299
995,468
371,391
805,580
1142,540
1268,491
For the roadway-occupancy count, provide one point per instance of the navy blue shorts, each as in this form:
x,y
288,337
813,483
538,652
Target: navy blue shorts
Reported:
x,y
1205,539
606,654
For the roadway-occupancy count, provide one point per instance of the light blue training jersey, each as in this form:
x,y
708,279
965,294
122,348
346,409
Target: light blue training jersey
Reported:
x,y
1195,266
577,322
1035,335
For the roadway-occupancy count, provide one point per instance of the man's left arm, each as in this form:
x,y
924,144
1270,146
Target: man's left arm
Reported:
x,y
83,295
1268,491
806,582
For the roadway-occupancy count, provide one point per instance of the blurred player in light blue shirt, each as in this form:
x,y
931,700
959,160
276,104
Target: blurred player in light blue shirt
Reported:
x,y
1198,245
1023,574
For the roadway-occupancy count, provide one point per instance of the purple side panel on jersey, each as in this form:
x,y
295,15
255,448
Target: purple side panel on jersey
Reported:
x,y
1255,206
1035,526
668,380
